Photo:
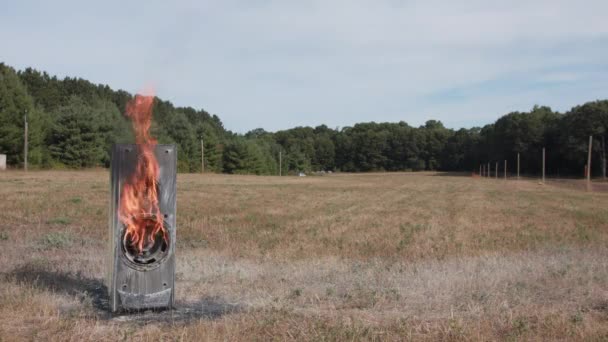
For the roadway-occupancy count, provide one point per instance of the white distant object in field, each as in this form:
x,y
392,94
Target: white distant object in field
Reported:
x,y
301,174
2,161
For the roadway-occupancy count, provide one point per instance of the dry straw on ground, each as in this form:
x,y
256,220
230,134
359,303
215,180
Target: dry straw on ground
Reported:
x,y
418,256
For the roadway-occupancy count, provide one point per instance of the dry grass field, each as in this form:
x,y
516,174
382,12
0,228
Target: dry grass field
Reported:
x,y
396,256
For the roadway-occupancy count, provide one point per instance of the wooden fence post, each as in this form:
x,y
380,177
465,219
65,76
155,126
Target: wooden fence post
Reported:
x,y
543,165
517,165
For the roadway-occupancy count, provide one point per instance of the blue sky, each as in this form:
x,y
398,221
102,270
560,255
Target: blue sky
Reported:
x,y
281,64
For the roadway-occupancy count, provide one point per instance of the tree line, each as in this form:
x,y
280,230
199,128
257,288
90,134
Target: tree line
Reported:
x,y
73,124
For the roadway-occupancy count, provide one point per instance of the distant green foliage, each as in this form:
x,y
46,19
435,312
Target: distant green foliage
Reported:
x,y
243,156
81,134
15,103
73,123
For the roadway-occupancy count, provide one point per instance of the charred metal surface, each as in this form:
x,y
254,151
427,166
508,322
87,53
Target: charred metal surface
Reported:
x,y
134,284
134,301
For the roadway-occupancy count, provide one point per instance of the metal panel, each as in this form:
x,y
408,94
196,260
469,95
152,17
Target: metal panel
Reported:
x,y
2,161
154,300
134,286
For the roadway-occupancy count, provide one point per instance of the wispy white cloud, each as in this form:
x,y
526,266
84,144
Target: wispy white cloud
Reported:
x,y
278,64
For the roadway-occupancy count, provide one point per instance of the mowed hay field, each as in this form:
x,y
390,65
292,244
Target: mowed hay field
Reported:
x,y
395,256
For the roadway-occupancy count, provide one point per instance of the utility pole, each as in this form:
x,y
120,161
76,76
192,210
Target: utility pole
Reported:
x,y
202,156
25,143
603,158
280,163
496,170
543,165
589,160
518,166
505,169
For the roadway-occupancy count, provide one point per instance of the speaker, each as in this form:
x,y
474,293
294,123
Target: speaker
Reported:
x,y
142,227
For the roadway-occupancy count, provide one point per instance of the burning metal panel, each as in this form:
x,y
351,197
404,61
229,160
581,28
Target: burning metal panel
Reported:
x,y
141,267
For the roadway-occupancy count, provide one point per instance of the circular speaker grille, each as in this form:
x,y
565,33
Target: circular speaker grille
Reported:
x,y
154,250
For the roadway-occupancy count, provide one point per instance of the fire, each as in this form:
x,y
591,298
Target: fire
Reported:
x,y
139,211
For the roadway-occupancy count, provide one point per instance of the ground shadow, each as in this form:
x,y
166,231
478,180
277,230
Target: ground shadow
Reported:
x,y
93,290
64,283
210,308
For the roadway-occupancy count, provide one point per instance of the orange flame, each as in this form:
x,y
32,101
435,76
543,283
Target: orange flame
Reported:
x,y
139,210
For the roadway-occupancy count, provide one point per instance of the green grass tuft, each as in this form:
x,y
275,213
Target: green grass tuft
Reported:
x,y
59,220
56,240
